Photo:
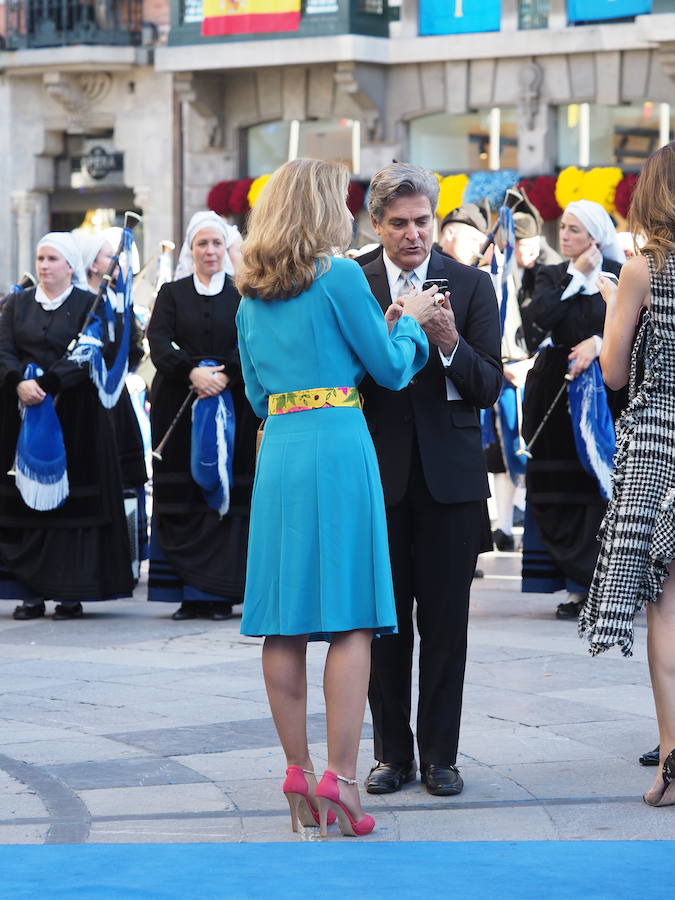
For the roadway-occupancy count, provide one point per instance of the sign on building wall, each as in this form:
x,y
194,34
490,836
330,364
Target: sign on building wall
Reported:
x,y
592,10
249,16
460,16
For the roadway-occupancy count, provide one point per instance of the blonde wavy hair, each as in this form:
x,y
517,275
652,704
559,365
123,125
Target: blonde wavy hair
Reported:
x,y
300,220
652,209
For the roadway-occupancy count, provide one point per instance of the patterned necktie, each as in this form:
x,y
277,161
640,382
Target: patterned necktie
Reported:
x,y
406,284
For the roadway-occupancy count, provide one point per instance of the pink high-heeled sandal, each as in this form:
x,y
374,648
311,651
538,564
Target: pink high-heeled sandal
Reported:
x,y
328,795
296,790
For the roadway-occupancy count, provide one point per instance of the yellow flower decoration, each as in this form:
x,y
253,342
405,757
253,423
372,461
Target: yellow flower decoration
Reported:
x,y
256,187
568,187
597,184
600,185
451,193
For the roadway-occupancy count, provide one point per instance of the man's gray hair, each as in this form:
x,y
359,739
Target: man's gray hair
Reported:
x,y
400,180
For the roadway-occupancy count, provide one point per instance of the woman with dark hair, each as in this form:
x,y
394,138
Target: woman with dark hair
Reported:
x,y
565,503
638,533
198,553
318,568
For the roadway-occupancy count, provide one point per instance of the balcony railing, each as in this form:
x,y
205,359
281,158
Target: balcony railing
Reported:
x,y
55,23
318,18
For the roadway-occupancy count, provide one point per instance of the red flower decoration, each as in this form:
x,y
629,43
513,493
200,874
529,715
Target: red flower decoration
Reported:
x,y
239,196
624,193
218,198
355,197
541,191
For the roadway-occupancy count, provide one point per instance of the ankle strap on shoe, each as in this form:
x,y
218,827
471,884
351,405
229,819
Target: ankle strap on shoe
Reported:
x,y
346,780
309,772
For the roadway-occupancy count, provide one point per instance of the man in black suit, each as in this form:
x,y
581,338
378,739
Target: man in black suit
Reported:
x,y
428,442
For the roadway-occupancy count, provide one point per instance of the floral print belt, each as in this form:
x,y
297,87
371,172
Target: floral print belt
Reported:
x,y
316,398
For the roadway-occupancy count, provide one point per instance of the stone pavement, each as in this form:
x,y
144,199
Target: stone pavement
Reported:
x,y
128,727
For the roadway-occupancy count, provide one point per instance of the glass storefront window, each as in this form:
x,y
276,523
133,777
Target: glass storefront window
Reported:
x,y
623,136
533,13
271,144
267,147
446,143
329,139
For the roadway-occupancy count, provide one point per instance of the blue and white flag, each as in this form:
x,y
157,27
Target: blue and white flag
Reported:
x,y
507,235
212,447
593,426
40,468
88,351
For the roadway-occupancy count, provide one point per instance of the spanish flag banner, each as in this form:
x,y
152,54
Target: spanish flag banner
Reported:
x,y
249,16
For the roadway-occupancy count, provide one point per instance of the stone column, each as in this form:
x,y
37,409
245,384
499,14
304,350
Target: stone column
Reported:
x,y
31,216
536,125
151,235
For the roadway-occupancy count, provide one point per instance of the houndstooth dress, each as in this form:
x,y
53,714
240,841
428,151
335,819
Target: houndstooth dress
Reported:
x,y
638,531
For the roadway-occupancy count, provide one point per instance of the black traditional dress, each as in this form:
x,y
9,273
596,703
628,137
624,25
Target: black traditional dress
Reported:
x,y
563,499
195,556
79,551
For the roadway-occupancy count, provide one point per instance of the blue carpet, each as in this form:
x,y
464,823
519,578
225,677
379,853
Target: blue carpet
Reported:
x,y
535,870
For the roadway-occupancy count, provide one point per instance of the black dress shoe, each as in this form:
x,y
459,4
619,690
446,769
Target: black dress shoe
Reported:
x,y
387,778
69,611
219,612
650,759
569,610
26,611
187,611
442,781
503,542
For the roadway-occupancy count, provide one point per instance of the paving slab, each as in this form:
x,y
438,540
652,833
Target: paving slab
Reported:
x,y
169,798
118,773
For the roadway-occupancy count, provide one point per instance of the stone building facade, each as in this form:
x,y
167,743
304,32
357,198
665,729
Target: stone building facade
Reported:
x,y
163,116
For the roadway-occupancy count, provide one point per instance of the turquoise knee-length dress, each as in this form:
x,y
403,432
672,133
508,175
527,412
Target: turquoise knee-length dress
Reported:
x,y
318,554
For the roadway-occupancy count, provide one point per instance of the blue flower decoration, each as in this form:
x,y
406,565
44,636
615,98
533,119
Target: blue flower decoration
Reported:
x,y
491,186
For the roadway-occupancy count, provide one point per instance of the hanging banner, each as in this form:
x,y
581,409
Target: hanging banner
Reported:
x,y
459,16
249,16
592,10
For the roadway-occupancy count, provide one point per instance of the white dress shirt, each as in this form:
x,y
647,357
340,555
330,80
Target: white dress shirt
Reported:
x,y
416,278
52,303
214,287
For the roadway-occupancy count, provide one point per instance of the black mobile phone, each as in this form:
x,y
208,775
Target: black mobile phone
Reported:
x,y
610,276
442,284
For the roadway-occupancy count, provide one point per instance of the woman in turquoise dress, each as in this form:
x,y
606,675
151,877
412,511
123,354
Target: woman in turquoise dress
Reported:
x,y
318,565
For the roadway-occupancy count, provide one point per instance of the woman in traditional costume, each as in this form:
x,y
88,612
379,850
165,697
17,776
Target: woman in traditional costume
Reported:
x,y
199,536
565,499
63,534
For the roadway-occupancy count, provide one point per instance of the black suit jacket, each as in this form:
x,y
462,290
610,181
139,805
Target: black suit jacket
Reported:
x,y
448,433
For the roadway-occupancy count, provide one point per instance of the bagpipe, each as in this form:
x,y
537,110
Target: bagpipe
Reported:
x,y
87,348
40,465
592,425
211,444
